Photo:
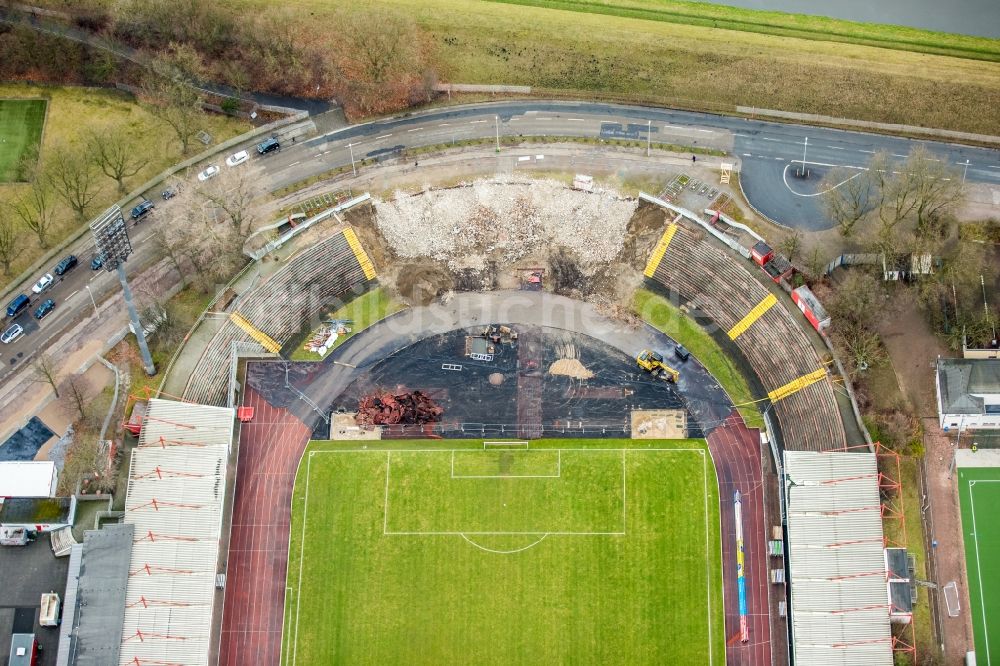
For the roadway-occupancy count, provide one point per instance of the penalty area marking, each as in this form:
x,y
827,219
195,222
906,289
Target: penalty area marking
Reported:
x,y
505,552
557,475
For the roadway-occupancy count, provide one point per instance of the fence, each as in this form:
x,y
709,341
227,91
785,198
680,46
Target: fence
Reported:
x,y
852,260
691,215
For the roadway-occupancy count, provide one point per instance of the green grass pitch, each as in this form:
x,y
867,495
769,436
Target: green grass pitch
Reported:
x,y
21,122
979,497
446,552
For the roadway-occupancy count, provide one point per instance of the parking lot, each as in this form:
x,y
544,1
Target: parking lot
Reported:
x,y
29,571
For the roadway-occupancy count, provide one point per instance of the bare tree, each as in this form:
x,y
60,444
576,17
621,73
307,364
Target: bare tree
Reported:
x,y
233,193
863,347
78,397
381,50
36,211
938,190
72,176
859,299
791,244
170,93
10,238
115,154
847,198
46,372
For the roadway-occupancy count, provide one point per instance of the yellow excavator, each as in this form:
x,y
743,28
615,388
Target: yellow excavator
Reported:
x,y
653,363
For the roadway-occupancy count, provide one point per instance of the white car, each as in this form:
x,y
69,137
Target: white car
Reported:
x,y
210,172
11,334
43,283
237,158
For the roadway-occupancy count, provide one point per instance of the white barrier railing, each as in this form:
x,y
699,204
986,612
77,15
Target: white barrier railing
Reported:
x,y
289,235
694,217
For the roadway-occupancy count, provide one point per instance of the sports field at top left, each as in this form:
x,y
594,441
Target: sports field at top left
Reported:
x,y
21,123
463,552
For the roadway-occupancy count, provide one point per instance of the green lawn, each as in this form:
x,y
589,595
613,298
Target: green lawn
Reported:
x,y
21,123
664,316
979,497
441,552
364,310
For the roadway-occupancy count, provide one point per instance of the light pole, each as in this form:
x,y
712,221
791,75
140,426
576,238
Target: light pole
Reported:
x,y
965,173
805,145
649,130
92,298
497,119
111,239
350,147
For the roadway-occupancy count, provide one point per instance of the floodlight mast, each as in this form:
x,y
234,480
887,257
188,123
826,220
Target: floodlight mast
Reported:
x,y
111,239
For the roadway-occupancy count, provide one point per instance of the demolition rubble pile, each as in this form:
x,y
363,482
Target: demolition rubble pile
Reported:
x,y
504,220
384,408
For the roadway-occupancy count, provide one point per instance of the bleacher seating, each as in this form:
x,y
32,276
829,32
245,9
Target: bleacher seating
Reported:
x,y
308,282
715,282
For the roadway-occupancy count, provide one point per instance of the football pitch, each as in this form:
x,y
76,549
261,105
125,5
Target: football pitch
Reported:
x,y
21,122
979,497
465,552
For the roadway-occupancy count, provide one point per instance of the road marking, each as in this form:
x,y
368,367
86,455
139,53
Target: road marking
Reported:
x,y
779,158
415,129
767,139
836,148
325,152
444,124
705,131
870,152
576,120
294,163
539,157
524,158
384,136
473,122
747,155
73,294
545,118
895,155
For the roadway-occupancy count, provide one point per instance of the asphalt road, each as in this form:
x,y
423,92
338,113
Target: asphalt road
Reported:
x,y
769,153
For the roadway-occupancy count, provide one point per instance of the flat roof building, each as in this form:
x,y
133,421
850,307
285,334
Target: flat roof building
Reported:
x,y
23,478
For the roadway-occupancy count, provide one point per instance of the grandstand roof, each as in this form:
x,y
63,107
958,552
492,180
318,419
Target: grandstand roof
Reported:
x,y
176,487
840,609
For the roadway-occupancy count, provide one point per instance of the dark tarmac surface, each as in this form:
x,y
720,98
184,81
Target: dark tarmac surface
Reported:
x,y
25,443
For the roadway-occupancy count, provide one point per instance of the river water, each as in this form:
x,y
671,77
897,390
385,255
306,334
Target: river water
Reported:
x,y
967,17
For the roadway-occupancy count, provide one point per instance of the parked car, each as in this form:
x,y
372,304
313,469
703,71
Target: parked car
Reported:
x,y
65,265
97,263
237,159
43,283
682,353
45,308
11,334
17,306
169,193
268,146
210,172
144,208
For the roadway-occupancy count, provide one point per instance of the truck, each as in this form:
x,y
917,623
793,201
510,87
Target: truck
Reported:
x,y
48,616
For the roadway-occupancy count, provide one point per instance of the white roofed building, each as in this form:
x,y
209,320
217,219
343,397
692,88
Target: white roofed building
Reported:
x,y
27,478
840,610
176,488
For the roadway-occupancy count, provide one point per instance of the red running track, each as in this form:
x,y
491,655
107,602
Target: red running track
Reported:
x,y
270,448
736,451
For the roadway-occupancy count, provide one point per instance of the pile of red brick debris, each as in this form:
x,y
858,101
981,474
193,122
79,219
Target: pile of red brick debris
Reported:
x,y
384,408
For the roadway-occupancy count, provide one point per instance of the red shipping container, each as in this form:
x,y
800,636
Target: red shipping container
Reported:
x,y
811,307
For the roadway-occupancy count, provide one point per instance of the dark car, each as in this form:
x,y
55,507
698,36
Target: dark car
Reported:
x,y
682,353
17,306
169,193
268,146
97,263
45,308
65,265
142,210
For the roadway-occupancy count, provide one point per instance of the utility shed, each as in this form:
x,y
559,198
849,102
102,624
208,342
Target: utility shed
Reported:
x,y
94,609
839,612
176,487
968,393
27,478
